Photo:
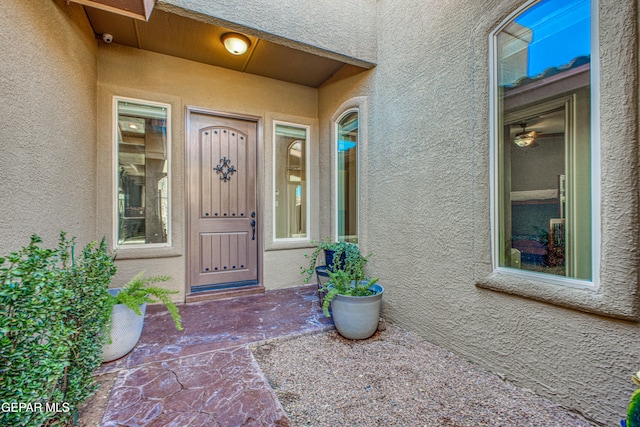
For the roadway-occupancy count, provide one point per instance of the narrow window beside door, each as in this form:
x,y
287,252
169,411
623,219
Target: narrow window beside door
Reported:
x,y
142,168
290,142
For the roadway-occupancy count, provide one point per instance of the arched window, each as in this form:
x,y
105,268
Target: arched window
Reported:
x,y
542,141
347,176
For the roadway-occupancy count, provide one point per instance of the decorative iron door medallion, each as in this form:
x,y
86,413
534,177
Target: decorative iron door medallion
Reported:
x,y
222,209
225,169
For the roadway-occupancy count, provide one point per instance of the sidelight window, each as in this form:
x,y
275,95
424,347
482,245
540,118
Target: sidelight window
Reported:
x,y
142,133
291,193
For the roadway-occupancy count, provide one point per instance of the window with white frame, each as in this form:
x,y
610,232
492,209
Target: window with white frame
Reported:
x,y
347,176
142,146
542,142
291,184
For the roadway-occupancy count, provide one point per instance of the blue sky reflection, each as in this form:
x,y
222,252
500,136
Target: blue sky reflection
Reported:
x,y
561,32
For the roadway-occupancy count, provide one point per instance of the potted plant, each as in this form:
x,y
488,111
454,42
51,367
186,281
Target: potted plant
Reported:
x,y
128,308
335,254
354,299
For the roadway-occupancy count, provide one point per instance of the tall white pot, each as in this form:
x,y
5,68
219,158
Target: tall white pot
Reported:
x,y
126,328
356,318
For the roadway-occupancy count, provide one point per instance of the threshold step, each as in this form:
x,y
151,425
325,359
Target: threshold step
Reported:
x,y
225,293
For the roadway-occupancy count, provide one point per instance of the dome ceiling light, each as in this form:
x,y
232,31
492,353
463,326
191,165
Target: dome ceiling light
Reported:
x,y
236,44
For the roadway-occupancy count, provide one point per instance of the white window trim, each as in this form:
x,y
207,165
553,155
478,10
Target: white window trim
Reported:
x,y
307,183
115,165
335,171
494,120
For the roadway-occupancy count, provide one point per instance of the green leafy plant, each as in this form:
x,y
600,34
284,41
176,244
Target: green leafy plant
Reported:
x,y
54,309
137,292
633,411
347,277
341,283
341,250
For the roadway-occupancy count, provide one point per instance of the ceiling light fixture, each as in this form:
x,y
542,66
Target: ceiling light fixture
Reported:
x,y
524,138
236,44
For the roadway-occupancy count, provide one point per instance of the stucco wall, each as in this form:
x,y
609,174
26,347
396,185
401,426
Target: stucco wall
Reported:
x,y
424,175
428,220
343,30
149,76
347,89
47,122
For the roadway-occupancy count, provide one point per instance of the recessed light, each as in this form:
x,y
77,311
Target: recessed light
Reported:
x,y
236,44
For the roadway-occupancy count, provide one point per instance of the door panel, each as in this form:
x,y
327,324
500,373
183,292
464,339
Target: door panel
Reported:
x,y
223,241
224,252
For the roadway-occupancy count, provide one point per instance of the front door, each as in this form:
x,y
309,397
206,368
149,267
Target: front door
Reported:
x,y
223,239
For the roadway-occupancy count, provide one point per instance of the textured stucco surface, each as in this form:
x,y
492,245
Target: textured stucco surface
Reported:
x,y
47,122
424,173
282,268
149,76
342,30
428,221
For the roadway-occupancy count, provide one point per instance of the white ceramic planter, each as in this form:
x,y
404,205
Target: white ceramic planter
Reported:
x,y
126,328
356,318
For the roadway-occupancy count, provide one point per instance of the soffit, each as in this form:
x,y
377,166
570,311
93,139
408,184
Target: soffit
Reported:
x,y
186,38
139,9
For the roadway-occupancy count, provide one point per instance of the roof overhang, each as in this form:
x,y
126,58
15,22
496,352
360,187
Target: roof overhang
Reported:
x,y
138,9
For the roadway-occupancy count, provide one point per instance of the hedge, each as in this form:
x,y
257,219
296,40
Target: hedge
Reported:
x,y
54,308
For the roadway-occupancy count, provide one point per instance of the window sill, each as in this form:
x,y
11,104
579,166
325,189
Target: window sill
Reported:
x,y
147,252
284,244
618,306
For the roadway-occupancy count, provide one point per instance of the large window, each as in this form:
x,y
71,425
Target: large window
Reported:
x,y
290,142
542,140
347,178
142,165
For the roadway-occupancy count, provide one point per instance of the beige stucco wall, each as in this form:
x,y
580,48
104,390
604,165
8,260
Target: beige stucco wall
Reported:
x,y
424,176
149,76
428,215
47,122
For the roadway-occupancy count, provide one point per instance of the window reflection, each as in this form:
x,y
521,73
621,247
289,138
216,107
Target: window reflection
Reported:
x,y
348,178
143,187
291,182
544,164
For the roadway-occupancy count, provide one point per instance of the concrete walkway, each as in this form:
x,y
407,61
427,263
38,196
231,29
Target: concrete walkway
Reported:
x,y
205,375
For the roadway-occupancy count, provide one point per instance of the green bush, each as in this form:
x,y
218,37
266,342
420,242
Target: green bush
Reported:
x,y
53,312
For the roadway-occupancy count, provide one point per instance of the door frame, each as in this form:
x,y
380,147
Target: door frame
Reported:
x,y
259,185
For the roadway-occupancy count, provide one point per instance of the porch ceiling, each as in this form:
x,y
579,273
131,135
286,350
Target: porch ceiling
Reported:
x,y
194,40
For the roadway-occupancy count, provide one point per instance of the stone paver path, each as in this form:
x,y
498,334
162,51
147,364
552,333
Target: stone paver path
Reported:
x,y
205,375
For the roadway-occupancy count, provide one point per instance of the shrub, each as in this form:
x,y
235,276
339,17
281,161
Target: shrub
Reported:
x,y
53,312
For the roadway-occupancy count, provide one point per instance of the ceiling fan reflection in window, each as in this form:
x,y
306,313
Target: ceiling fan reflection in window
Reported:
x,y
525,138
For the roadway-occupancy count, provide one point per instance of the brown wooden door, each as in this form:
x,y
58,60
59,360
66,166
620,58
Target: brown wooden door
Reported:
x,y
223,221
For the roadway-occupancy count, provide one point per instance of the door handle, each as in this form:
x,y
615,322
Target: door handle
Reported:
x,y
253,229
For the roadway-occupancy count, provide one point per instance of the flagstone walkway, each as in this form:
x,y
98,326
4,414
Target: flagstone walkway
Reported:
x,y
205,375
